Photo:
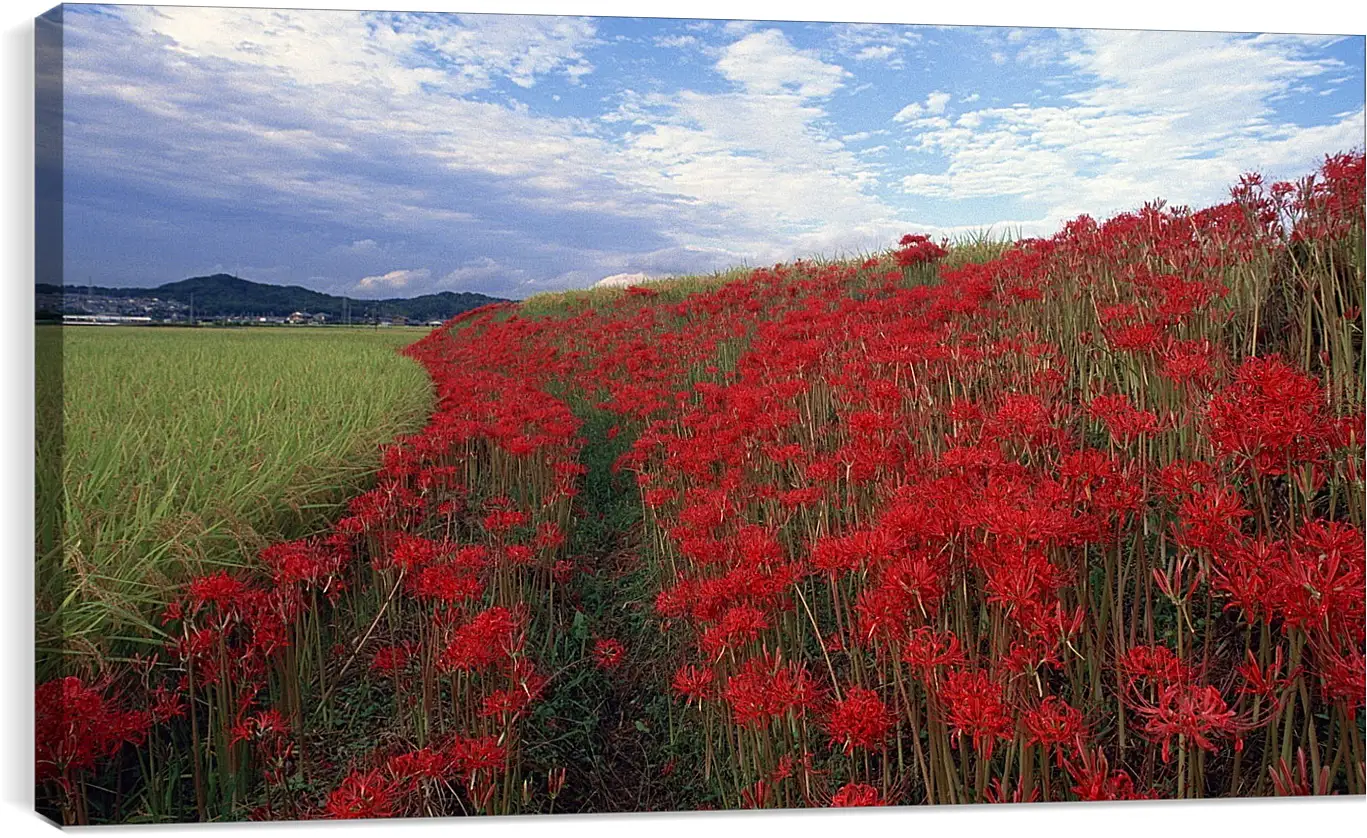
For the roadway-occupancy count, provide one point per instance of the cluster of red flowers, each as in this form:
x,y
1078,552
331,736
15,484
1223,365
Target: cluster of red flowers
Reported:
x,y
944,499
435,565
76,726
915,249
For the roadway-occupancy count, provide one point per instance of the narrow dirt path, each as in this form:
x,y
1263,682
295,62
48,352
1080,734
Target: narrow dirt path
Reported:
x,y
610,729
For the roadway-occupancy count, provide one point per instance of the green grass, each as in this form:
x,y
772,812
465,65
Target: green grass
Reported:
x,y
980,246
671,289
188,450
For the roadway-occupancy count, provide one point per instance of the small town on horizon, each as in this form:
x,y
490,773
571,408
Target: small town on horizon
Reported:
x,y
226,300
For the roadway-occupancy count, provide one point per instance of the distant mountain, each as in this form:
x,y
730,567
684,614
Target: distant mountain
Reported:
x,y
224,295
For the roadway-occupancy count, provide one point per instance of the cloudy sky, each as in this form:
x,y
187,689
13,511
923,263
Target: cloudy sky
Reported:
x,y
389,154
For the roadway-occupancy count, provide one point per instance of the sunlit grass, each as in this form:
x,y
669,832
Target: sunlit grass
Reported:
x,y
185,450
980,246
669,289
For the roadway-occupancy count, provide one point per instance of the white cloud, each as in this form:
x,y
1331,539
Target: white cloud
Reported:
x,y
764,162
377,122
866,42
393,280
881,52
909,113
332,48
361,247
767,63
275,97
761,161
934,104
623,280
1173,115
676,41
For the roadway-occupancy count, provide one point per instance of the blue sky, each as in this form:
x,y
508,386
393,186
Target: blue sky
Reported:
x,y
389,154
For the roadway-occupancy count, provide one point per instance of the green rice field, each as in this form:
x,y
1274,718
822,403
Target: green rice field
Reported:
x,y
170,451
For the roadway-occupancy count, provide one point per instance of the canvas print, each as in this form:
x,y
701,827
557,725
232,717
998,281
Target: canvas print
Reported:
x,y
446,415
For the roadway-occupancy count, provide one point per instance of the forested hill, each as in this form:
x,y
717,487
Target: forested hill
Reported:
x,y
224,295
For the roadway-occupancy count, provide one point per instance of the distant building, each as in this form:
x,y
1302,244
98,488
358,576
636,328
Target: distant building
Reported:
x,y
104,320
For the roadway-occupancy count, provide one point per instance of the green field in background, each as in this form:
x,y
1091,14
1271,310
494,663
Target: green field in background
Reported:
x,y
185,450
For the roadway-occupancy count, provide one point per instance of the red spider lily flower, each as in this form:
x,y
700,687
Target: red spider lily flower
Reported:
x,y
608,653
410,553
1194,712
266,724
738,625
472,558
306,562
1094,780
76,725
362,795
562,571
1271,418
1181,478
167,704
1139,338
490,637
388,660
1156,664
764,687
694,683
1322,584
502,521
549,537
1053,723
445,583
1265,682
519,554
482,755
676,602
656,498
414,767
1299,782
1343,675
220,589
974,706
1210,519
504,704
857,794
916,249
1121,418
926,651
1191,363
859,720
